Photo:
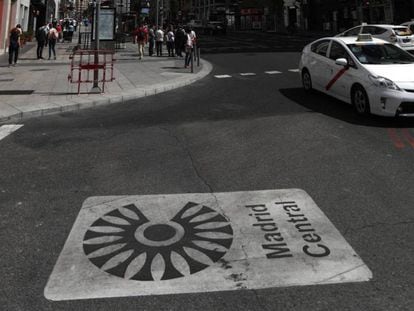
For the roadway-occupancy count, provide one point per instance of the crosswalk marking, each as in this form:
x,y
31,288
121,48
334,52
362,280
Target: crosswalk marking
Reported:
x,y
269,72
6,130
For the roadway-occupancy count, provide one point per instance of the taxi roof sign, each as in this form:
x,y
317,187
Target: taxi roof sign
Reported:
x,y
364,37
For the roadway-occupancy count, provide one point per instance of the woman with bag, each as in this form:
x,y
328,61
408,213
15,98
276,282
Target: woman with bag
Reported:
x,y
52,37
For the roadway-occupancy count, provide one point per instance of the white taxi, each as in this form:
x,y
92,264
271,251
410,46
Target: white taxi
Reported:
x,y
373,75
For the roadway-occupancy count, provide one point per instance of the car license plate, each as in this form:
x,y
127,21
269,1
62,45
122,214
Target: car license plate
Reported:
x,y
405,40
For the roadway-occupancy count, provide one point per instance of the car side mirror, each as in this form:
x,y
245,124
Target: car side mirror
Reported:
x,y
342,62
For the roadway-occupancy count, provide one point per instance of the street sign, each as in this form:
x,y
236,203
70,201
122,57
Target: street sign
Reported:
x,y
201,242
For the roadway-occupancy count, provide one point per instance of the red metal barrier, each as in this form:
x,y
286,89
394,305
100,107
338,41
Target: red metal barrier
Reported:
x,y
84,63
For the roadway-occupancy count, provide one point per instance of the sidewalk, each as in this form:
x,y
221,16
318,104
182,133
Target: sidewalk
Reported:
x,y
40,87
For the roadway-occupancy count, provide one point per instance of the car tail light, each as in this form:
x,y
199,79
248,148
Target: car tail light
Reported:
x,y
393,38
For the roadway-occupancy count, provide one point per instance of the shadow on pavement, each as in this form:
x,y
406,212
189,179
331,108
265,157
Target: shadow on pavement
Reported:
x,y
332,107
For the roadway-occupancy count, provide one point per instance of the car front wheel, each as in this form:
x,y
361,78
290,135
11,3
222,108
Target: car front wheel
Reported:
x,y
360,100
306,80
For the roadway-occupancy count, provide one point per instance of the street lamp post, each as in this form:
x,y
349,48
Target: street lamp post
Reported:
x,y
95,87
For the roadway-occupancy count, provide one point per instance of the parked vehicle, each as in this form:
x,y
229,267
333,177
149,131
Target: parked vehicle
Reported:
x,y
215,27
409,25
373,75
397,34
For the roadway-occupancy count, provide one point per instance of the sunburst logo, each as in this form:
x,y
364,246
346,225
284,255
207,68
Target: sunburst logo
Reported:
x,y
125,243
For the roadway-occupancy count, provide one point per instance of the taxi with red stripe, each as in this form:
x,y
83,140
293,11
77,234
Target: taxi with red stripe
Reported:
x,y
371,74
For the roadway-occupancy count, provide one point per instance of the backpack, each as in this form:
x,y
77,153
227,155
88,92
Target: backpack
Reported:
x,y
14,35
41,34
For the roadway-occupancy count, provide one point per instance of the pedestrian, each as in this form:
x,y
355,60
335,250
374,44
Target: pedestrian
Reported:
x,y
170,41
141,37
52,38
14,44
60,32
180,38
188,47
41,38
159,40
151,40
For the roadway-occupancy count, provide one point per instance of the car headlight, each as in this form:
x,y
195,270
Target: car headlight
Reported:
x,y
384,83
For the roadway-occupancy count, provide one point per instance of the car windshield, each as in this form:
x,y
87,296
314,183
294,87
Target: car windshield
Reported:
x,y
380,54
402,31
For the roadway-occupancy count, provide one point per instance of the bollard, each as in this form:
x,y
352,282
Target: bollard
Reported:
x,y
198,57
192,61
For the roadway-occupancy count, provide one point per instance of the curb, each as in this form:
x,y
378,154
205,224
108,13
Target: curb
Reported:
x,y
102,100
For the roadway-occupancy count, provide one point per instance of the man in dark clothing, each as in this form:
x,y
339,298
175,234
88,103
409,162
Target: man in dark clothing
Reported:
x,y
41,37
180,38
14,44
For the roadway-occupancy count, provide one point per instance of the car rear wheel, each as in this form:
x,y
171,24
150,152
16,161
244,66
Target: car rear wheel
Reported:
x,y
360,100
306,80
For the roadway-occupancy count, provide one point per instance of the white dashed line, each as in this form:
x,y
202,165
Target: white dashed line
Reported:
x,y
222,76
6,130
294,70
273,72
247,74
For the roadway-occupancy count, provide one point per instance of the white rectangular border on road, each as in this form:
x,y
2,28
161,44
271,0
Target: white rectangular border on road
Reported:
x,y
257,239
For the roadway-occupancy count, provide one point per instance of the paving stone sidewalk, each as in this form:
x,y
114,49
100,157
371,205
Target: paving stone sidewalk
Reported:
x,y
35,87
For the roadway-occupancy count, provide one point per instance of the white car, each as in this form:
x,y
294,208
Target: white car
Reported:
x,y
397,34
409,25
373,75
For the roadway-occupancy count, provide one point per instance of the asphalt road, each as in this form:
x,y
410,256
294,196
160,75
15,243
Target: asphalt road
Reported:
x,y
250,132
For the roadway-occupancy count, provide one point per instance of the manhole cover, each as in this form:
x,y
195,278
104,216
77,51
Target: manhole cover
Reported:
x,y
16,92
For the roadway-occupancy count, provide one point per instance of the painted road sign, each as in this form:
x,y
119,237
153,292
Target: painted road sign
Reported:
x,y
200,242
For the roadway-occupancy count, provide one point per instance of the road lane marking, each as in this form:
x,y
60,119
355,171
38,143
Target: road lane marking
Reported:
x,y
247,74
222,76
398,143
273,72
408,137
137,245
294,70
7,129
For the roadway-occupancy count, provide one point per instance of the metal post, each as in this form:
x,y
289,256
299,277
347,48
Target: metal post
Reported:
x,y
198,57
158,13
192,60
95,87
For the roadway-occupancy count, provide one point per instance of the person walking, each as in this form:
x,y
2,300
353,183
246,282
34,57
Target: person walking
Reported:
x,y
141,37
188,47
159,40
180,38
52,37
41,38
14,44
151,40
170,42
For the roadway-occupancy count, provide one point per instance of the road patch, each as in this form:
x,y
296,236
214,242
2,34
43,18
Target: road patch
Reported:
x,y
200,242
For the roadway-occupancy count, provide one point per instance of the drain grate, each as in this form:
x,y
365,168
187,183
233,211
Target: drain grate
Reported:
x,y
16,92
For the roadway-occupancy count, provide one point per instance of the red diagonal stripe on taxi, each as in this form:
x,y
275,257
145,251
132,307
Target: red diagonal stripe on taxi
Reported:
x,y
335,78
